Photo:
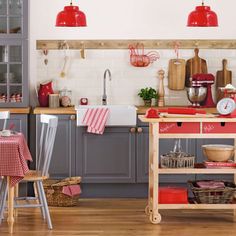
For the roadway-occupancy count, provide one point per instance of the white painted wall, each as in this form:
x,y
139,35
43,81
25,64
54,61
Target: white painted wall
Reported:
x,y
124,19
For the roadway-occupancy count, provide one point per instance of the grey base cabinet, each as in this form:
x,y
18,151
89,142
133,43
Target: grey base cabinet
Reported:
x,y
63,157
107,158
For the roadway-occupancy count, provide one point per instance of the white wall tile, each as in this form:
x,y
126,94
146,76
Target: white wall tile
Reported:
x,y
85,76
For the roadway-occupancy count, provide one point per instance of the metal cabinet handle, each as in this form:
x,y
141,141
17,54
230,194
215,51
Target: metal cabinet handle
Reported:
x,y
132,130
140,130
72,117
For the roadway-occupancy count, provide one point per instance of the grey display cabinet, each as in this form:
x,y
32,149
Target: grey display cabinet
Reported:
x,y
63,157
107,158
14,89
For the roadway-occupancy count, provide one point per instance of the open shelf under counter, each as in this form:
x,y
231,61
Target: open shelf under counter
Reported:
x,y
196,206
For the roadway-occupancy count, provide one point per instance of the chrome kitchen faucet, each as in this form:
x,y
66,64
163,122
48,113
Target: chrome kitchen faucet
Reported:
x,y
104,96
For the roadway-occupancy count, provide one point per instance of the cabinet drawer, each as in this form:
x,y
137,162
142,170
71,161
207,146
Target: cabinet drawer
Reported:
x,y
218,128
179,127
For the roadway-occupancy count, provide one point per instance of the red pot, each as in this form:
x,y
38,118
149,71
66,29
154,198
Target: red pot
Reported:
x,y
43,93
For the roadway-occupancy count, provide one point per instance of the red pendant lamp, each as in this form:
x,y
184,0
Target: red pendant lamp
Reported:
x,y
71,16
202,16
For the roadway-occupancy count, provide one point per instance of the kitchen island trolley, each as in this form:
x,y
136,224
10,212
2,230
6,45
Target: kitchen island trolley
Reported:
x,y
184,127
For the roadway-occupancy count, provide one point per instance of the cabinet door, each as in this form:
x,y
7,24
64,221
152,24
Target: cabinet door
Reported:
x,y
13,18
14,89
166,145
107,158
63,157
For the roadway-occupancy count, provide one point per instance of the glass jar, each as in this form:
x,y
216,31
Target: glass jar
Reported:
x,y
65,97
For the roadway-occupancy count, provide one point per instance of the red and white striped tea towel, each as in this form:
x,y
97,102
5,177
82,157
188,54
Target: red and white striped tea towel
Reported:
x,y
95,119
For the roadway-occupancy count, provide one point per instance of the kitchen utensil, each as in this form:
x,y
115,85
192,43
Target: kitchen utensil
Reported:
x,y
196,95
194,65
217,152
161,90
223,78
139,59
226,106
176,74
204,80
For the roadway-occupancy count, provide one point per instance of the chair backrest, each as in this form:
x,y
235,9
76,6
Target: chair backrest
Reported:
x,y
46,142
4,115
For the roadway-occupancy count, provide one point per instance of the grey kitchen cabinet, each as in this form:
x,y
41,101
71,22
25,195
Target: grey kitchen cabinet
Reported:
x,y
63,157
107,158
14,86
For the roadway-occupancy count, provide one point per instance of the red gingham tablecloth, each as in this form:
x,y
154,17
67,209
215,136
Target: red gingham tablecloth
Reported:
x,y
13,155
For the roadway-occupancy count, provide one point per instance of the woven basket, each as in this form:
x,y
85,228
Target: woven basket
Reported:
x,y
177,162
54,195
213,196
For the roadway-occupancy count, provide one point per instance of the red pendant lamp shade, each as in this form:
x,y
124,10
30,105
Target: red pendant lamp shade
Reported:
x,y
71,16
202,16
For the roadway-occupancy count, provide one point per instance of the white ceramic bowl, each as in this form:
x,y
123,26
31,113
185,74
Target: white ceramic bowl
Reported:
x,y
218,152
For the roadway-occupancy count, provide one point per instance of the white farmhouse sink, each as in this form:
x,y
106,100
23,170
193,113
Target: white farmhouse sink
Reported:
x,y
119,115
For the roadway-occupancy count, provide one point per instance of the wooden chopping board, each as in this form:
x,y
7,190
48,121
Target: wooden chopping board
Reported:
x,y
176,74
195,65
223,77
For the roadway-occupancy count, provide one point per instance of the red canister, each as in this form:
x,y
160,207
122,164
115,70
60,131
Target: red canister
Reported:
x,y
173,195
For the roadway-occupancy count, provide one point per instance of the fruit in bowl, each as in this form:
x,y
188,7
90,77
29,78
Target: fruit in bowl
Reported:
x,y
218,152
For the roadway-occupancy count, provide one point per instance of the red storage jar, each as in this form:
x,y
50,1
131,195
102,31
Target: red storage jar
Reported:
x,y
173,195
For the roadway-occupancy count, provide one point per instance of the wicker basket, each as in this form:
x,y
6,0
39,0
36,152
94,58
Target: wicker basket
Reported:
x,y
169,161
54,195
213,196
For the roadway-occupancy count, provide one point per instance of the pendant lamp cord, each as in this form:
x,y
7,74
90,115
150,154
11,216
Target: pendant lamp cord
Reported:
x,y
71,2
202,2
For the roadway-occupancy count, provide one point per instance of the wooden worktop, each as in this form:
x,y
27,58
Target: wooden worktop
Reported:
x,y
56,111
142,109
71,110
24,110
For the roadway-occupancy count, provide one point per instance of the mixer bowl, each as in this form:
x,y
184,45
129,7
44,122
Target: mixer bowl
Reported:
x,y
196,95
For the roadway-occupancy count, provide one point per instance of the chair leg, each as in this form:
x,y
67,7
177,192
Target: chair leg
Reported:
x,y
3,192
39,196
45,205
16,189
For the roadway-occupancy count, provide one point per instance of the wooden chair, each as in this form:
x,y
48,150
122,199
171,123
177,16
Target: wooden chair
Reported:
x,y
4,116
47,139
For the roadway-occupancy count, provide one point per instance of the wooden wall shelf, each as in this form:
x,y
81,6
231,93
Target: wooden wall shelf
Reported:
x,y
124,44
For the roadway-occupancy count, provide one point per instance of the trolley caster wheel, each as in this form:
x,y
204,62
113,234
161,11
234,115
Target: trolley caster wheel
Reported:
x,y
155,219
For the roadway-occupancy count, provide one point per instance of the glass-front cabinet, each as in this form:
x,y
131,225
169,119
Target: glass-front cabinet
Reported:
x,y
14,89
12,18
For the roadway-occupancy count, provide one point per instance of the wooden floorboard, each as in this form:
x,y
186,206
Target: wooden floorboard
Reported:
x,y
121,217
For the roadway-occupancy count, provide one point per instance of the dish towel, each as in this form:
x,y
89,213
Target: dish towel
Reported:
x,y
96,119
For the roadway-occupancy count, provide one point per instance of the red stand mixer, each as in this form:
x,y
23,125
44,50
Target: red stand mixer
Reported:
x,y
200,94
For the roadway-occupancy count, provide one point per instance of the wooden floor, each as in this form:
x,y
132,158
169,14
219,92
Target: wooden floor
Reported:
x,y
122,217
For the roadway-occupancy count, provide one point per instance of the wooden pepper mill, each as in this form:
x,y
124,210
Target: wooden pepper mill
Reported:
x,y
161,100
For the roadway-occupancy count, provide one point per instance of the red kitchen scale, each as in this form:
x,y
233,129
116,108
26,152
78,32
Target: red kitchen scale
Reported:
x,y
227,105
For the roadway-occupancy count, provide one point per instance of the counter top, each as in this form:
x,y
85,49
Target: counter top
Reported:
x,y
71,110
55,111
24,110
142,109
